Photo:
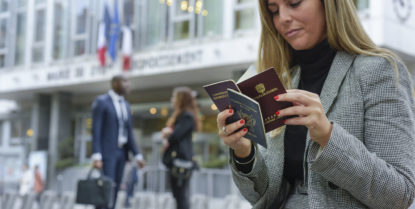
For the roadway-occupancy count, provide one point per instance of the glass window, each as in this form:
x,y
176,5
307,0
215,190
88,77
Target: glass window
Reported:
x,y
81,16
19,126
40,25
40,1
244,1
4,5
3,32
183,7
154,22
20,38
2,61
245,19
212,13
245,15
183,20
129,9
21,3
1,129
80,33
361,4
60,29
80,47
37,54
39,36
181,30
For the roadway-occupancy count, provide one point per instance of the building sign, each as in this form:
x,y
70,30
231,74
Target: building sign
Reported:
x,y
145,63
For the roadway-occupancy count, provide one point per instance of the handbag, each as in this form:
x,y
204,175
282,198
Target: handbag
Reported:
x,y
181,169
95,191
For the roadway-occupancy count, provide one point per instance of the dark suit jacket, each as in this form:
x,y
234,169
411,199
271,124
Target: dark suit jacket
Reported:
x,y
105,128
181,138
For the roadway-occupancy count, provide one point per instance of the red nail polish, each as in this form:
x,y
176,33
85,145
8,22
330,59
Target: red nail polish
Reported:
x,y
230,111
245,129
276,97
242,121
284,121
277,113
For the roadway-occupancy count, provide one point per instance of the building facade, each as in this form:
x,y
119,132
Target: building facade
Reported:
x,y
49,66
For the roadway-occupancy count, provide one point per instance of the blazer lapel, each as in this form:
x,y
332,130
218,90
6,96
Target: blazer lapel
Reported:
x,y
341,64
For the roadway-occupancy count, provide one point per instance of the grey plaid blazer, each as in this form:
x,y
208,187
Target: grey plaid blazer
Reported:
x,y
370,158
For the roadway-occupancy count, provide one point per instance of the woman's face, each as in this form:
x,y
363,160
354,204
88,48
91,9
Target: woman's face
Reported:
x,y
300,22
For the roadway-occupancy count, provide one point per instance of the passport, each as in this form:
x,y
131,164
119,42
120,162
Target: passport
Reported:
x,y
262,88
249,110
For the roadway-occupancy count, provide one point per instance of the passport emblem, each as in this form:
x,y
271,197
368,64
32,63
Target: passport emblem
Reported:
x,y
260,88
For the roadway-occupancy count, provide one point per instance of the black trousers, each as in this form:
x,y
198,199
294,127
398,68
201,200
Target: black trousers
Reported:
x,y
181,192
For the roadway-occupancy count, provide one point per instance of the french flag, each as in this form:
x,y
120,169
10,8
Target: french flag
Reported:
x,y
102,46
103,36
127,48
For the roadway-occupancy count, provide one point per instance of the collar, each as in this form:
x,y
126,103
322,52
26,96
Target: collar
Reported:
x,y
114,96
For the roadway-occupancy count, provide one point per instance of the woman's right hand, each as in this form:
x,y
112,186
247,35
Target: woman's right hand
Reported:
x,y
241,146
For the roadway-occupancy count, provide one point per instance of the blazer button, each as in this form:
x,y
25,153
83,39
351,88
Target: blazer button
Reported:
x,y
333,186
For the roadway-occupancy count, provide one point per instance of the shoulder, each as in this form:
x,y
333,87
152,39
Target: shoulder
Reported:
x,y
100,99
367,66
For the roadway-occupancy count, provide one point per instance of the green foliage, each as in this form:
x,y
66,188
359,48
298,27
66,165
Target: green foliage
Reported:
x,y
66,154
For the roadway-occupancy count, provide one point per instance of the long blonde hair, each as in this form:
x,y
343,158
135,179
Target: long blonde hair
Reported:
x,y
344,33
184,101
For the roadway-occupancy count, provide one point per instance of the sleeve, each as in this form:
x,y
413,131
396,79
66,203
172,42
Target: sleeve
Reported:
x,y
185,124
131,140
97,120
254,184
379,171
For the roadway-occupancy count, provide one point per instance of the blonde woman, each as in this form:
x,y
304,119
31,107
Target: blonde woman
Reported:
x,y
177,137
351,140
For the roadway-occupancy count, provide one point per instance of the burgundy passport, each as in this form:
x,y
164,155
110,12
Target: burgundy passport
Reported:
x,y
262,87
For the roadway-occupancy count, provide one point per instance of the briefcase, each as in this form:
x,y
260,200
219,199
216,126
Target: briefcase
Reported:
x,y
95,191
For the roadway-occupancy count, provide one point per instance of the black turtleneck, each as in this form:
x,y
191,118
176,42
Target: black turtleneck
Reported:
x,y
315,65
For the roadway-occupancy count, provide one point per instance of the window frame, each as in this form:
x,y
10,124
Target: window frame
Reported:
x,y
238,7
39,44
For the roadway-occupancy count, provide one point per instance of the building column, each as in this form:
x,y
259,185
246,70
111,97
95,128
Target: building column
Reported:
x,y
59,129
40,122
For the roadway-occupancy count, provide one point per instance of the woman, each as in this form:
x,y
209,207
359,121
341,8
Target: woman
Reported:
x,y
350,142
178,138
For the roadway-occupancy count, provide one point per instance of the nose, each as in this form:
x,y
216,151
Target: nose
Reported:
x,y
285,16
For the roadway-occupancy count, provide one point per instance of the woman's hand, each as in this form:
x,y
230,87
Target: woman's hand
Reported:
x,y
236,141
307,106
166,132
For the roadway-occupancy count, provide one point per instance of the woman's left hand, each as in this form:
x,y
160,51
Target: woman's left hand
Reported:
x,y
307,106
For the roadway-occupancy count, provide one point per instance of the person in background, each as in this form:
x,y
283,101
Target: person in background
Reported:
x,y
26,181
112,132
350,140
130,179
177,137
39,184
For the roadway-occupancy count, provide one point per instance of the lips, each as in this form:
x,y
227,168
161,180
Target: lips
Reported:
x,y
292,32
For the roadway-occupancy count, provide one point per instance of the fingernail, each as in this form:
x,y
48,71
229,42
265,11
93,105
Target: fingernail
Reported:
x,y
230,111
284,121
276,97
277,113
242,121
245,129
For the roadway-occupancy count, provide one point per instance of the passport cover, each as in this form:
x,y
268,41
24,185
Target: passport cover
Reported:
x,y
262,88
249,110
219,94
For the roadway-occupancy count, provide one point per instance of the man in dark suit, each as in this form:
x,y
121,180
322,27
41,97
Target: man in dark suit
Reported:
x,y
112,132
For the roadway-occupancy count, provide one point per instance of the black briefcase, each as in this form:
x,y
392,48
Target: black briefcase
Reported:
x,y
95,191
